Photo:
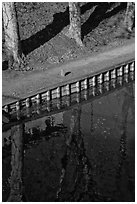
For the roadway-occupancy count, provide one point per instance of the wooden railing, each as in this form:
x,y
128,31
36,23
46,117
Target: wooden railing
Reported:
x,y
81,89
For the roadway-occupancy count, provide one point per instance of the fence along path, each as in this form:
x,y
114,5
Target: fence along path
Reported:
x,y
83,74
63,97
31,83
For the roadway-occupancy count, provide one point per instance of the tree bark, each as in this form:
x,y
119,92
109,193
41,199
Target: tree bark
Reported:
x,y
75,22
130,16
16,179
12,38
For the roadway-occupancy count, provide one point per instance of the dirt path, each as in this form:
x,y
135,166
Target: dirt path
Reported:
x,y
29,83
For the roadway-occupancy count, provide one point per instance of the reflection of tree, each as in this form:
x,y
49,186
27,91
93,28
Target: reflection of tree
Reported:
x,y
91,128
123,162
16,181
76,183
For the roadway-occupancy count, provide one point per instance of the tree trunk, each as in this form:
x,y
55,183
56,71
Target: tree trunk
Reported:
x,y
130,16
16,179
75,22
12,38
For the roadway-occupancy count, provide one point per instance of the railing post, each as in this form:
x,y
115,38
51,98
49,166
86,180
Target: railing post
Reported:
x,y
48,96
120,71
86,83
58,92
132,66
126,69
106,76
18,109
38,99
93,81
113,74
27,102
17,106
100,79
68,92
78,86
6,109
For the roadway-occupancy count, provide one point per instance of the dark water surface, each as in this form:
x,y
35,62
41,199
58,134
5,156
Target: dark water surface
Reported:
x,y
86,153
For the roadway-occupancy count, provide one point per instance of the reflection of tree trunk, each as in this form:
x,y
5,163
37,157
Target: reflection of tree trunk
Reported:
x,y
91,128
123,163
79,178
74,127
130,16
12,39
16,181
75,22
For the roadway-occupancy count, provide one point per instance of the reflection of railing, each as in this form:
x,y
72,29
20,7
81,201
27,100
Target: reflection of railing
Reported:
x,y
55,100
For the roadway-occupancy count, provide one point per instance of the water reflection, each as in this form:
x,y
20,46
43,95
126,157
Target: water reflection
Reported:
x,y
83,154
16,178
123,164
76,182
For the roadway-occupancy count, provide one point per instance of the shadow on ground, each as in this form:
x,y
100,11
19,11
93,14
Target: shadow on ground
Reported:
x,y
61,20
100,13
5,65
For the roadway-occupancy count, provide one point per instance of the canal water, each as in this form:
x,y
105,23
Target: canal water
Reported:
x,y
85,153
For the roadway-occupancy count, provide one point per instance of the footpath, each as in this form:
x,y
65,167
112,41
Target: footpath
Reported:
x,y
30,83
